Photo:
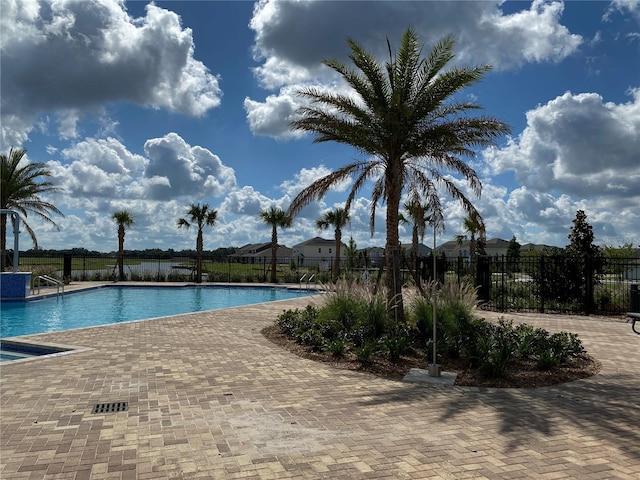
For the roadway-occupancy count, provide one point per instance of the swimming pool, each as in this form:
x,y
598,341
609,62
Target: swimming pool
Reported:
x,y
115,304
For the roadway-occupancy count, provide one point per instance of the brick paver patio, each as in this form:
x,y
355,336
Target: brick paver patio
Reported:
x,y
210,397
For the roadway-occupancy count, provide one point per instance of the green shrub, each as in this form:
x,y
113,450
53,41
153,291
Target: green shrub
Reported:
x,y
546,361
565,345
495,349
337,348
308,328
366,353
375,316
397,342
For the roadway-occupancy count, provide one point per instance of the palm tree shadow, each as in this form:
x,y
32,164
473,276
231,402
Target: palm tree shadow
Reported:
x,y
607,411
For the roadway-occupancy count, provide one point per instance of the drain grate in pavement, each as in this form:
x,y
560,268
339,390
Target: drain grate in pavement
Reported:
x,y
110,407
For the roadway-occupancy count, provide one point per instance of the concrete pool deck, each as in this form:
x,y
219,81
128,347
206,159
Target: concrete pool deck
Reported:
x,y
210,398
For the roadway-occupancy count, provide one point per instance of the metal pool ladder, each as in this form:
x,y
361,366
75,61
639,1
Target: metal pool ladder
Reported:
x,y
49,281
309,280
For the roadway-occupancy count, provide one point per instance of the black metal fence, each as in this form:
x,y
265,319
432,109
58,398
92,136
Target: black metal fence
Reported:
x,y
558,284
542,283
105,268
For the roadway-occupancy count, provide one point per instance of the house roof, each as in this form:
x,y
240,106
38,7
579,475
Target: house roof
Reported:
x,y
314,242
497,243
282,252
421,247
251,248
260,250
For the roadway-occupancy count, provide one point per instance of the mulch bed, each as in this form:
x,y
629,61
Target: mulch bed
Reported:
x,y
521,374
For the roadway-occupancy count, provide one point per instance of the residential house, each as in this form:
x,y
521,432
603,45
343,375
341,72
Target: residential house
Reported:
x,y
534,247
317,251
423,250
260,253
373,256
453,249
496,247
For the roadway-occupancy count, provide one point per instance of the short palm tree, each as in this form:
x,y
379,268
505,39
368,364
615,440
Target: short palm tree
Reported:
x,y
472,225
406,123
20,190
417,212
201,216
124,219
337,219
276,217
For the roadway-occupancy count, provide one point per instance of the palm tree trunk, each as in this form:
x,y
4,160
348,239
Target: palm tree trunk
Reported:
x,y
395,305
274,253
414,254
121,252
199,246
336,262
472,253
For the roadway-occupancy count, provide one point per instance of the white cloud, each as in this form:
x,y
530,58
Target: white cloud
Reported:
x,y
94,53
292,39
185,170
623,6
244,201
173,170
576,152
577,144
306,177
534,35
273,116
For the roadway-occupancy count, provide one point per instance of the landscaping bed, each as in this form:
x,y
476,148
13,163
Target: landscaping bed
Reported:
x,y
521,374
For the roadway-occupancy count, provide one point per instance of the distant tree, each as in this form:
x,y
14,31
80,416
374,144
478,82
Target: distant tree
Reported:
x,y
418,212
352,254
581,237
336,218
513,256
20,190
473,227
124,219
201,216
275,217
588,259
564,279
410,122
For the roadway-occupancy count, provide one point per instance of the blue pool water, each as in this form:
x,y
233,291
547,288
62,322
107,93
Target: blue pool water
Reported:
x,y
121,304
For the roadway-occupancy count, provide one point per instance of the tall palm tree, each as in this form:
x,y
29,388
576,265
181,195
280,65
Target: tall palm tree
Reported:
x,y
201,216
407,125
472,225
337,219
20,190
276,217
124,219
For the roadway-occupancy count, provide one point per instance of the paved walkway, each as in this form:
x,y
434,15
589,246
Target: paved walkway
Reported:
x,y
210,397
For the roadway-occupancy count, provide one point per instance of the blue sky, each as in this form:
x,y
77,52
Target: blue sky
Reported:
x,y
152,106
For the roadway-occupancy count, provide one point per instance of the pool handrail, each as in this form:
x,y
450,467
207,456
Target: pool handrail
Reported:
x,y
51,281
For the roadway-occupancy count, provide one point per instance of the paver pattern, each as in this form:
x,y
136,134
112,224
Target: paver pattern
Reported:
x,y
211,398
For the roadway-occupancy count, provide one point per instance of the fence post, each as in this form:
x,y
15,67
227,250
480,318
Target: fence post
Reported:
x,y
483,277
541,287
588,291
66,267
502,292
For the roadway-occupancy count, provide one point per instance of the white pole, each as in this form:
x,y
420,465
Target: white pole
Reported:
x,y
434,368
433,297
